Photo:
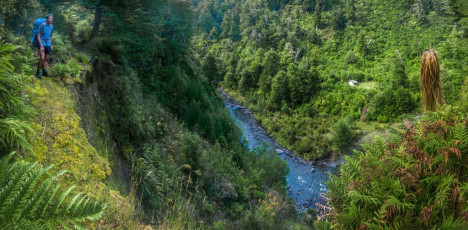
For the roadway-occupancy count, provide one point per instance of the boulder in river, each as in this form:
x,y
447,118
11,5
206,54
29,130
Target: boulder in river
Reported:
x,y
279,151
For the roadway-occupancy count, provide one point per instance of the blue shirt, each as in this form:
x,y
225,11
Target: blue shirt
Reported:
x,y
45,31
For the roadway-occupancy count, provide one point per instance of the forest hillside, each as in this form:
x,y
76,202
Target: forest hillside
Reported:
x,y
130,130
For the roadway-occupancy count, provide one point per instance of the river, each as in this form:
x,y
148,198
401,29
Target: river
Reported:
x,y
305,181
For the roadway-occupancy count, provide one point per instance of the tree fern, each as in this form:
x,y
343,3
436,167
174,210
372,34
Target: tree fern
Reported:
x,y
31,198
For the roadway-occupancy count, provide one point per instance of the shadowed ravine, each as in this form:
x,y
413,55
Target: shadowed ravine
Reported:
x,y
305,179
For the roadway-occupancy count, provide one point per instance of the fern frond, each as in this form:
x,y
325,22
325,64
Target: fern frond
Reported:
x,y
395,139
29,191
443,189
323,225
365,199
449,222
399,205
460,133
14,132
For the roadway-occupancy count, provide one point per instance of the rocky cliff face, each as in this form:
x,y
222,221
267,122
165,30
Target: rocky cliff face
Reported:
x,y
91,107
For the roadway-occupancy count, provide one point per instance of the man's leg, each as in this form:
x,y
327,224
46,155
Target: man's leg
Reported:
x,y
45,62
40,64
45,65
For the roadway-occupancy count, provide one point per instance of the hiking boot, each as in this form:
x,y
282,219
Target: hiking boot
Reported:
x,y
45,74
38,74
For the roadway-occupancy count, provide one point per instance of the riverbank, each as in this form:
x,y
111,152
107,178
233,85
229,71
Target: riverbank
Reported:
x,y
306,179
307,136
258,128
274,124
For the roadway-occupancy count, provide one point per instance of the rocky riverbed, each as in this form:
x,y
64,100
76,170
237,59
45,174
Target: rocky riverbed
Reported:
x,y
305,180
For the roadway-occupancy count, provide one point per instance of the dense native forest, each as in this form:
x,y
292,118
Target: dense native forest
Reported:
x,y
292,60
130,132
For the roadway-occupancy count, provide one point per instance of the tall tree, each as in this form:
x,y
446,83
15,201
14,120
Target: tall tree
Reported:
x,y
280,89
398,76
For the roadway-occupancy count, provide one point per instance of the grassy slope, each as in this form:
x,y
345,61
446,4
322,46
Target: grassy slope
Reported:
x,y
60,140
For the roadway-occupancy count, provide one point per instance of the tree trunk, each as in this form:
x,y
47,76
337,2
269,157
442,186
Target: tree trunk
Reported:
x,y
97,22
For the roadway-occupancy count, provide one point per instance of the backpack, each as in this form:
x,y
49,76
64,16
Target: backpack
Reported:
x,y
35,30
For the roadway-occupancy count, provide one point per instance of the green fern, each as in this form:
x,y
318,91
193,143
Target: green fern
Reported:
x,y
5,58
399,205
395,139
449,222
443,188
323,225
13,133
13,110
32,199
356,197
460,133
379,144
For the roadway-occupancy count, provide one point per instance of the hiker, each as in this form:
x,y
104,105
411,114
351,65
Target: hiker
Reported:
x,y
44,39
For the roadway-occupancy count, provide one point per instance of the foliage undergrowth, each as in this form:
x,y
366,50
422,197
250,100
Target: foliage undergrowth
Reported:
x,y
416,180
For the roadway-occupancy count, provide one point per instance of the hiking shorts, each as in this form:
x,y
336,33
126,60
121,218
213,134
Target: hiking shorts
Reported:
x,y
47,49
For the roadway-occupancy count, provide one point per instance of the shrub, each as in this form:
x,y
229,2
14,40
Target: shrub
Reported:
x,y
342,135
351,57
63,48
390,104
69,72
